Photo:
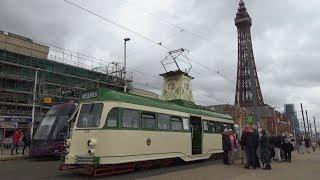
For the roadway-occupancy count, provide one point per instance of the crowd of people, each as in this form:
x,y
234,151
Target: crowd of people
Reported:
x,y
260,148
18,137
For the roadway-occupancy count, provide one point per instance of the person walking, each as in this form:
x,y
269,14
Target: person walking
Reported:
x,y
265,150
307,143
313,146
233,146
226,146
288,148
15,141
272,153
26,141
257,149
277,146
303,143
248,142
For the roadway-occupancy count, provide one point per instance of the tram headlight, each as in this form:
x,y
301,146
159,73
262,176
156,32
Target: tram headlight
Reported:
x,y
91,143
91,151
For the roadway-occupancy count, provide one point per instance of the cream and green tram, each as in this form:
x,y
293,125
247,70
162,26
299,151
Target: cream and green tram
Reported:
x,y
114,128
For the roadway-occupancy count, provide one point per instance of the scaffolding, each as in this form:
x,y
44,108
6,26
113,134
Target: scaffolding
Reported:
x,y
62,77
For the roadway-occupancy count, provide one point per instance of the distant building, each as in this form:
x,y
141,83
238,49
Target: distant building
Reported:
x,y
289,109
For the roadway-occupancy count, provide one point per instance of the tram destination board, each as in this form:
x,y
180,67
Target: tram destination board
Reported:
x,y
89,95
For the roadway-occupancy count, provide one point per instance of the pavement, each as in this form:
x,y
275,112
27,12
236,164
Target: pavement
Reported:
x,y
6,155
302,167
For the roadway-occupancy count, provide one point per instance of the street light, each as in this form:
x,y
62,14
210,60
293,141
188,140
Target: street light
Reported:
x,y
34,102
125,63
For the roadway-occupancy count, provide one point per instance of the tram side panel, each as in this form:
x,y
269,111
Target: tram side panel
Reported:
x,y
121,146
212,143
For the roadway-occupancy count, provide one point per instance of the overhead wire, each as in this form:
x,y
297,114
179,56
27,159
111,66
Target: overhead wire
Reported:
x,y
138,34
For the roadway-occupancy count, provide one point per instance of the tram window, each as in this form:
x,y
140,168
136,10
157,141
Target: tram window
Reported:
x,y
205,126
148,120
90,115
131,118
218,127
212,127
163,121
185,124
176,123
112,118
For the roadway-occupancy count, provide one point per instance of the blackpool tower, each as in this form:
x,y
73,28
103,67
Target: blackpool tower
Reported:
x,y
248,92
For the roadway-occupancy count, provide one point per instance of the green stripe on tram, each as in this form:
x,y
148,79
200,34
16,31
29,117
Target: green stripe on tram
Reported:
x,y
182,106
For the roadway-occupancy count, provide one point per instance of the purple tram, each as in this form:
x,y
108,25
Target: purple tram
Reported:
x,y
49,138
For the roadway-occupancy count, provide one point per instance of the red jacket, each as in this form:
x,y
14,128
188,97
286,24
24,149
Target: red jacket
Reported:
x,y
16,137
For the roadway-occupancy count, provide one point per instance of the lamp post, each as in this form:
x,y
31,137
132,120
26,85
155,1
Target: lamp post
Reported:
x,y
125,63
34,102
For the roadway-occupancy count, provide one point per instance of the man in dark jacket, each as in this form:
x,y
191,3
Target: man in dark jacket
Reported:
x,y
248,141
226,146
288,148
265,150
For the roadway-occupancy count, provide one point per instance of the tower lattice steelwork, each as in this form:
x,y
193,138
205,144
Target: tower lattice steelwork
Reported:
x,y
248,92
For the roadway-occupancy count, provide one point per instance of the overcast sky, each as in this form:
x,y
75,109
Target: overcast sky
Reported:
x,y
285,36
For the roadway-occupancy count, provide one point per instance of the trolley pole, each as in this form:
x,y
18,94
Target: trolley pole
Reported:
x,y
34,102
304,123
125,63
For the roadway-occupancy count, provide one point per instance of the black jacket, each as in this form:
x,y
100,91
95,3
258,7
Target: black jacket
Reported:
x,y
265,141
249,140
226,144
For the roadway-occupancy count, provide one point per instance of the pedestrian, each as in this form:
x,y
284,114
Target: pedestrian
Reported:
x,y
226,146
248,141
288,148
272,153
282,154
265,150
26,141
307,143
303,143
15,141
313,146
233,146
319,144
256,146
277,148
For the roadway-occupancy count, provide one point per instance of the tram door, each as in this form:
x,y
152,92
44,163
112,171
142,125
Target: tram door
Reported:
x,y
196,133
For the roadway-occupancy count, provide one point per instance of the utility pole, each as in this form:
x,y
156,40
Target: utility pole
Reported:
x,y
308,123
315,127
304,123
34,102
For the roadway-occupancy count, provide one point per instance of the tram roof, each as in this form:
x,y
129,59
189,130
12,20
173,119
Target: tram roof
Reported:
x,y
104,94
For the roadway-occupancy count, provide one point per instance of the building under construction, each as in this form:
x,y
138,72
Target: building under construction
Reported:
x,y
62,76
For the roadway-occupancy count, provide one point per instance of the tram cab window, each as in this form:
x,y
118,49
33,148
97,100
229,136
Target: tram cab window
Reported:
x,y
163,121
205,126
131,118
218,127
90,115
148,120
112,118
212,127
176,123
